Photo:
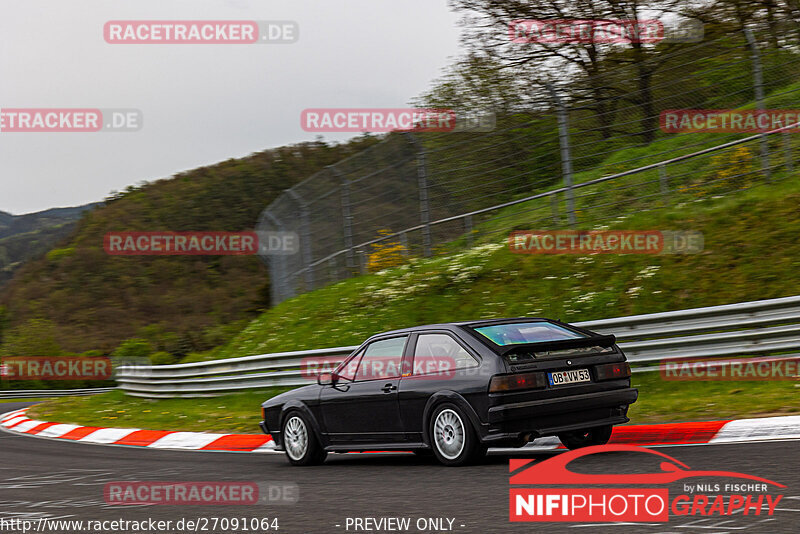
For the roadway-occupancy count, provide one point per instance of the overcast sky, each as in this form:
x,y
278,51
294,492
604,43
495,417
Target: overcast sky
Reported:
x,y
201,103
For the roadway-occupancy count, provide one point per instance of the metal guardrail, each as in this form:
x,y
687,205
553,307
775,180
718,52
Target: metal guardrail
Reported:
x,y
760,327
47,393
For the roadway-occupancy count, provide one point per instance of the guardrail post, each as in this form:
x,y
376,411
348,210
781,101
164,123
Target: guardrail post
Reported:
x,y
468,230
305,238
404,243
566,155
758,87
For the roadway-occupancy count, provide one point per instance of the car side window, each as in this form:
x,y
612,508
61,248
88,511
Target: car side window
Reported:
x,y
440,352
348,370
382,359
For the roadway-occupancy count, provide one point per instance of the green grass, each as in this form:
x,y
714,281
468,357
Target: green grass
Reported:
x,y
663,401
751,252
239,413
659,402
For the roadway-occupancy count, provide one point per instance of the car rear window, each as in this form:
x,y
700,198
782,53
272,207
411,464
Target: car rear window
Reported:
x,y
528,332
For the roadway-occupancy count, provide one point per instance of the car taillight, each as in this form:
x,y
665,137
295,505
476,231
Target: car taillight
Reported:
x,y
610,371
501,383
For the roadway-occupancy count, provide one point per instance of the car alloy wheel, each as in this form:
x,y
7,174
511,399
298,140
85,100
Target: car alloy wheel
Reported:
x,y
296,438
449,434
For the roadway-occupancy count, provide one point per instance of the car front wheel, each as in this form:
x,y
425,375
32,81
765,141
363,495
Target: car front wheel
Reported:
x,y
300,443
584,438
453,439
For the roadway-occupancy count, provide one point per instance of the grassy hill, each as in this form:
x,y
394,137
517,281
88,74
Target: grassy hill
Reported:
x,y
751,252
78,298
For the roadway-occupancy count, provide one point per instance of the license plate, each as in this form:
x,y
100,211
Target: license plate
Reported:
x,y
569,377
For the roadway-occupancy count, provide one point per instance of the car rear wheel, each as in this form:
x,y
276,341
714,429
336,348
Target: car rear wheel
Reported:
x,y
454,441
300,442
585,438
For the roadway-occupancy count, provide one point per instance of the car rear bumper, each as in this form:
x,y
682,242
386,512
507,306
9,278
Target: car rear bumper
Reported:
x,y
548,417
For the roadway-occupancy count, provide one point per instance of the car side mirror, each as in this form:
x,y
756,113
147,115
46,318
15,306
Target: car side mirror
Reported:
x,y
325,379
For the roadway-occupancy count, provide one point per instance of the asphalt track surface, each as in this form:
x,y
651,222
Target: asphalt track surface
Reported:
x,y
44,478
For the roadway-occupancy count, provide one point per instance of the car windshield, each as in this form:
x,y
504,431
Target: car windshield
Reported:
x,y
529,332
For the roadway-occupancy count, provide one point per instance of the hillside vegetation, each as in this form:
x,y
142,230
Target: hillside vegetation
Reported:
x,y
751,252
77,298
28,236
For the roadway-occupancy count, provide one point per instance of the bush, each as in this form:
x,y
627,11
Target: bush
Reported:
x,y
163,358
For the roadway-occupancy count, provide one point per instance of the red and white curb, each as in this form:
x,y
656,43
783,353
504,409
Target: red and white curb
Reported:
x,y
710,432
18,422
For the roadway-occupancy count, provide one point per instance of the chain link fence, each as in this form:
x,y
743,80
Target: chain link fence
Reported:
x,y
565,162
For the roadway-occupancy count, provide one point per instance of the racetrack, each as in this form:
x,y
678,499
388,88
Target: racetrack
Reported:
x,y
45,478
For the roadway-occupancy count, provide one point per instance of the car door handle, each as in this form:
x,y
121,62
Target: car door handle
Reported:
x,y
388,388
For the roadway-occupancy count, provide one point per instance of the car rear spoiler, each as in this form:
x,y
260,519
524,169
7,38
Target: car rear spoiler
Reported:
x,y
543,346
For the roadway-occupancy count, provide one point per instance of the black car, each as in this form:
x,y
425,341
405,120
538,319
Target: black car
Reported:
x,y
456,389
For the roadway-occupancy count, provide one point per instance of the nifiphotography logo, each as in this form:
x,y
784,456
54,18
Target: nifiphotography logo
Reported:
x,y
639,497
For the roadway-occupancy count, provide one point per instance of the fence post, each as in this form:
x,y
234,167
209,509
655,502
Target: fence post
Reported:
x,y
424,207
347,217
566,155
363,259
468,230
787,150
422,185
758,86
404,243
305,238
281,288
663,181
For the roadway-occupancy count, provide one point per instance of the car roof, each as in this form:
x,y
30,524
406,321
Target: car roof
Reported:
x,y
461,324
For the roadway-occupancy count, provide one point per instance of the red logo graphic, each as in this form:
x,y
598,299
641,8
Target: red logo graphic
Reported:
x,y
578,504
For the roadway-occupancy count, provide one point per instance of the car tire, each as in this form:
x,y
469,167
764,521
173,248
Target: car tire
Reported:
x,y
453,439
578,439
300,442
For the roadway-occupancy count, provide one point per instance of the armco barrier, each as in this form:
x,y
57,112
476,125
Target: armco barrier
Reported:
x,y
46,393
749,328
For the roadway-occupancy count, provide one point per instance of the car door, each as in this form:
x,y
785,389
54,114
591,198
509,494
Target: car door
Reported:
x,y
435,362
363,407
